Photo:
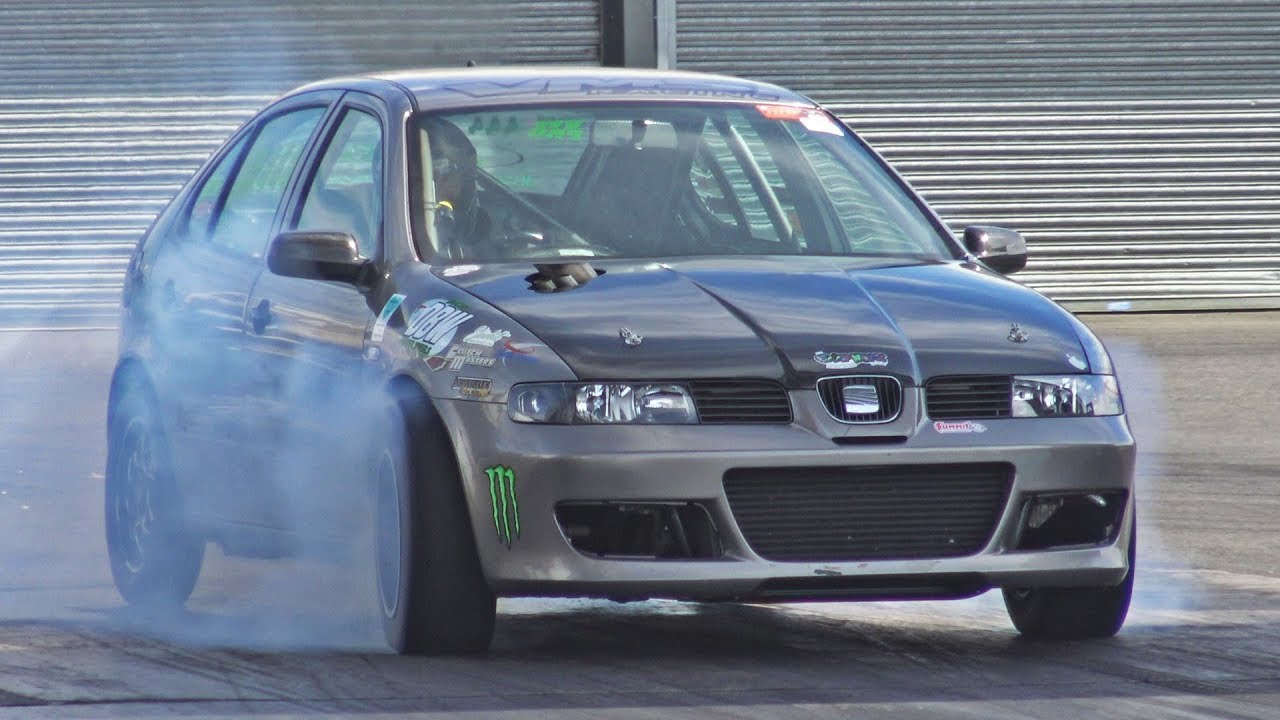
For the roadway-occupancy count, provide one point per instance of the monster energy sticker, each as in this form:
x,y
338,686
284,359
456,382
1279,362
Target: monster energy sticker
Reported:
x,y
506,511
433,325
384,317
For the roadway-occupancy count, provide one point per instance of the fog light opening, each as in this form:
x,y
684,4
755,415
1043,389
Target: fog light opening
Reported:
x,y
654,531
1064,520
1041,510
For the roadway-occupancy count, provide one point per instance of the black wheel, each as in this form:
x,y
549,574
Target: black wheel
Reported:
x,y
1073,613
155,554
431,590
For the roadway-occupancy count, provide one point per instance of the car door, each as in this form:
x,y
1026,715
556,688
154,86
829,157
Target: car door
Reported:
x,y
308,336
207,289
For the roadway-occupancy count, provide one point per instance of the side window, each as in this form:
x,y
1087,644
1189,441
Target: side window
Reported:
x,y
345,194
205,206
244,221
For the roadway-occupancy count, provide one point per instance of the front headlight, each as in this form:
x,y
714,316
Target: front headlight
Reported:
x,y
602,403
1066,395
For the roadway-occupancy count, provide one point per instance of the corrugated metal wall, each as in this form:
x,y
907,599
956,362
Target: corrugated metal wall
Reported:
x,y
1135,143
107,107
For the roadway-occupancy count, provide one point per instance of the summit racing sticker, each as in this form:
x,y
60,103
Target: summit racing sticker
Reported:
x,y
965,426
848,360
432,326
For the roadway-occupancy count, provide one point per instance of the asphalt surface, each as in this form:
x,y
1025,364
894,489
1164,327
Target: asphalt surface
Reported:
x,y
299,639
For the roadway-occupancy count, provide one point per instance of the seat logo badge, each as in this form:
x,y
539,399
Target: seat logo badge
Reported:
x,y
849,360
630,338
506,512
1017,335
860,399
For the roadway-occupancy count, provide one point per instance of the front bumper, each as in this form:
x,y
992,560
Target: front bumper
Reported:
x,y
550,464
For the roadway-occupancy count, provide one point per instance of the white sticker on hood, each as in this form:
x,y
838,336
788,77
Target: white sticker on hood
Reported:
x,y
964,426
434,324
1077,363
486,336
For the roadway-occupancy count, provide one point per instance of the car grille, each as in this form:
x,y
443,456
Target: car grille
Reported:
x,y
888,396
741,401
969,397
844,514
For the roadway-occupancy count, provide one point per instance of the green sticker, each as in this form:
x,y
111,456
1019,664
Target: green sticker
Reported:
x,y
502,494
558,129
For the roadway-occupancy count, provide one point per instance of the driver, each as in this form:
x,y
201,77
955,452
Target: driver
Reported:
x,y
463,226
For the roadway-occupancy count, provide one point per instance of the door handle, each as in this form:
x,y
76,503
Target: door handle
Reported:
x,y
261,316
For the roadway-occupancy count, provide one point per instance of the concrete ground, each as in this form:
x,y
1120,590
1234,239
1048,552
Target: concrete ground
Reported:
x,y
298,639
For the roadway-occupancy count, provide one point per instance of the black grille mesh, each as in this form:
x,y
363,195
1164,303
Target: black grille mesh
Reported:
x,y
844,514
969,397
741,401
888,390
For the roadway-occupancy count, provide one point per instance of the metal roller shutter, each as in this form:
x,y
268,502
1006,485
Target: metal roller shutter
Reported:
x,y
107,107
1135,143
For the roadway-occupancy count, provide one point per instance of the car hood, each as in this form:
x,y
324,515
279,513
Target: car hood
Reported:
x,y
789,319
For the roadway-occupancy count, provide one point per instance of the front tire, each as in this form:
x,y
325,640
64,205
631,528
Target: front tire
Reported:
x,y
431,590
155,554
1073,613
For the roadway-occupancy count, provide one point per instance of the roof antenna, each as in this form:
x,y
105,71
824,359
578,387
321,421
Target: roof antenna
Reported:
x,y
471,63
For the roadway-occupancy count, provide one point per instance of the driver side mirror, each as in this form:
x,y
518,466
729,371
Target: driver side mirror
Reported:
x,y
1004,250
331,256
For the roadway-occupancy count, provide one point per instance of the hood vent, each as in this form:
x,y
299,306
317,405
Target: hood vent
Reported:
x,y
555,277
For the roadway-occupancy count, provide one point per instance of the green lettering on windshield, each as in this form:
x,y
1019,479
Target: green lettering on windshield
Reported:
x,y
558,129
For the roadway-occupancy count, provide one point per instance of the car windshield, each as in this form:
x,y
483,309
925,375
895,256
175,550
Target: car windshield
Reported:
x,y
659,180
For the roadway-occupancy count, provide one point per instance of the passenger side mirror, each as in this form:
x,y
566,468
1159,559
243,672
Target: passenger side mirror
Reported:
x,y
1004,250
332,256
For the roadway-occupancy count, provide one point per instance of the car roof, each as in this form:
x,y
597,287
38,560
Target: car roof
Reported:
x,y
479,87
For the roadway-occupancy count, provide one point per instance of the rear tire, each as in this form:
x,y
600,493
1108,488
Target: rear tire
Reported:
x,y
1073,613
155,554
431,589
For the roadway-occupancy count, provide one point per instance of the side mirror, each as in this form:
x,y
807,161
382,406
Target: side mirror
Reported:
x,y
1005,251
310,255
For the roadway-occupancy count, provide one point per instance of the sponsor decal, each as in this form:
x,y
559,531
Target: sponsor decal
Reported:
x,y
472,387
459,357
1077,363
432,326
516,351
847,360
964,426
812,119
384,317
506,510
456,270
817,121
1016,335
629,337
559,129
486,336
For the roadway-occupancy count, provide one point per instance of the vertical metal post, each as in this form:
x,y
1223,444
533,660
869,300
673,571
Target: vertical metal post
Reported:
x,y
627,36
665,33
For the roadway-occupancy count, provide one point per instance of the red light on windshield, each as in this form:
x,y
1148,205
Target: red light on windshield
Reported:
x,y
782,112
